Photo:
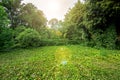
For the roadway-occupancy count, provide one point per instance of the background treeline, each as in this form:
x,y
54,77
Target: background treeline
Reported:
x,y
21,25
92,23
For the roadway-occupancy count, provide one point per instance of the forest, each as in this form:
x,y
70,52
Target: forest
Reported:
x,y
94,23
83,46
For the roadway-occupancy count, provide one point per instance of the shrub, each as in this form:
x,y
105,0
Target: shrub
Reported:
x,y
53,42
110,37
106,39
29,38
6,38
18,30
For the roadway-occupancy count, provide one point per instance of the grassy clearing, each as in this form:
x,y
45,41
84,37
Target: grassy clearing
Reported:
x,y
60,63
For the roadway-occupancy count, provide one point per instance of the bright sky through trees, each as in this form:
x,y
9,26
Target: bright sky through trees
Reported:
x,y
53,8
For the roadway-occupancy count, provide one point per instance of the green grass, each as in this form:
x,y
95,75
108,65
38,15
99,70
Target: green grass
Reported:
x,y
60,63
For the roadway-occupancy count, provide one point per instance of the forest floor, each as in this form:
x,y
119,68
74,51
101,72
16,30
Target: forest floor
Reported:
x,y
71,62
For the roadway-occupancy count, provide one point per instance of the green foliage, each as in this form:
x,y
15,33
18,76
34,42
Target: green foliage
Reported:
x,y
106,39
18,30
110,37
118,45
72,21
6,34
75,14
32,17
48,33
91,23
29,38
13,10
98,18
4,21
88,22
6,39
100,13
53,42
44,63
73,24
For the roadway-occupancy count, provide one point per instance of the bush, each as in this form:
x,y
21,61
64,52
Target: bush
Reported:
x,y
53,42
118,44
110,37
29,38
106,39
18,30
6,38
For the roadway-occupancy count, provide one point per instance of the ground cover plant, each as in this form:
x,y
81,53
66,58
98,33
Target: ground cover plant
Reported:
x,y
71,62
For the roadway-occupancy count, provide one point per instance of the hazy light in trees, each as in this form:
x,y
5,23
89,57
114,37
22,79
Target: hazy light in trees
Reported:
x,y
53,8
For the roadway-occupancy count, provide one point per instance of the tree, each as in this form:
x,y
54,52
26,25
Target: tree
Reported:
x,y
33,17
13,9
53,23
6,34
101,13
73,22
100,16
4,21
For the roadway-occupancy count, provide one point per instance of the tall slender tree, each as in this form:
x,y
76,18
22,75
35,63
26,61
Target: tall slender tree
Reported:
x,y
73,22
